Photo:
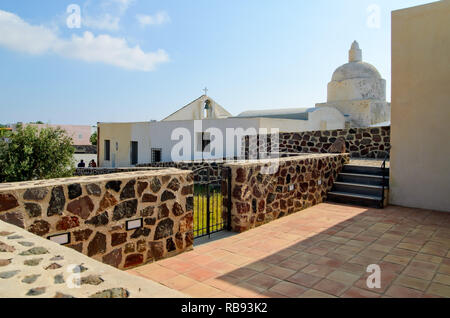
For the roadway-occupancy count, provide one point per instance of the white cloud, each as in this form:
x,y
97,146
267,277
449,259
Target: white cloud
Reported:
x,y
160,17
20,36
104,22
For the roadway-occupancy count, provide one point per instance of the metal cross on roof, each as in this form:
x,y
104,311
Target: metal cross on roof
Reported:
x,y
205,90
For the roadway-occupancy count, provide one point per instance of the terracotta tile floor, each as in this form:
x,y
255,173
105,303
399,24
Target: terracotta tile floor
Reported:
x,y
323,251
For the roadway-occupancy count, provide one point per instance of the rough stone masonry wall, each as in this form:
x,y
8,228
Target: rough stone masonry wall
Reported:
x,y
94,210
197,166
359,142
298,183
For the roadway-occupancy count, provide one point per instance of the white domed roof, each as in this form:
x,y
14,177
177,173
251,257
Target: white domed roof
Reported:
x,y
356,68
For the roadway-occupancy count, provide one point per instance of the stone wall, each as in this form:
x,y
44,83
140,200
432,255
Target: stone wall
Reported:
x,y
94,210
34,267
298,183
197,166
372,142
81,172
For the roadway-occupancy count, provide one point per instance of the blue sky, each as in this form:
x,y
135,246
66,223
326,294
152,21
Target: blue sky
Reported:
x,y
251,54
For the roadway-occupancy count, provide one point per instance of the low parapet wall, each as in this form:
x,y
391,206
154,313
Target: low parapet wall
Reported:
x,y
94,211
291,184
372,142
33,267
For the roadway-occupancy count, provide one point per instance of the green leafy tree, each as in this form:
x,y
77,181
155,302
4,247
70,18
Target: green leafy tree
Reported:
x,y
32,154
93,139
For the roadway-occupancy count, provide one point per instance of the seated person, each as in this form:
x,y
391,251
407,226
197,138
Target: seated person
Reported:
x,y
81,164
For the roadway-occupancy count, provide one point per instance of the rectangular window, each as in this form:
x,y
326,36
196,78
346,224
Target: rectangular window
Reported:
x,y
134,152
107,150
156,155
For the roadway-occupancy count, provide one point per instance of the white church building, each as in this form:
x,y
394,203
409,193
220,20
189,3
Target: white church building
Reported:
x,y
356,98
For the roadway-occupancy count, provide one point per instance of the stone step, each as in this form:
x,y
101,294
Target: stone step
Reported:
x,y
358,178
358,188
367,170
352,198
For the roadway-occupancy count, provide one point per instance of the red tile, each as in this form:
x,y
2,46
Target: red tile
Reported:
x,y
331,287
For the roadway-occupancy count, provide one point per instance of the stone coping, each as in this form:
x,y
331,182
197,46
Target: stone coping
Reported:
x,y
283,159
144,173
31,266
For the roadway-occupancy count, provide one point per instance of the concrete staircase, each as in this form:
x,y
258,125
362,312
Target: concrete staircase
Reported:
x,y
361,185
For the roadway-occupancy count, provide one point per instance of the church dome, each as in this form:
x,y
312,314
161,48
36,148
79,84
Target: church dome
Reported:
x,y
356,68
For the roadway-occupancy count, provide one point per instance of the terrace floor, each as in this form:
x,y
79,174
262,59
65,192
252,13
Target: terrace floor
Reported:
x,y
323,251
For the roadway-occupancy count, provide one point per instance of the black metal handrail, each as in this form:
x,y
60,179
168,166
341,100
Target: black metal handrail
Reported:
x,y
383,168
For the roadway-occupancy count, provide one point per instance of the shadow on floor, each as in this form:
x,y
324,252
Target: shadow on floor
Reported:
x,y
214,237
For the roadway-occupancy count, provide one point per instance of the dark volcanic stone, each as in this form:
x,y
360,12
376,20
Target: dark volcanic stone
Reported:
x,y
140,232
156,250
76,247
99,220
26,244
177,209
164,229
148,211
93,189
141,246
179,240
189,203
133,260
174,185
34,210
114,185
36,291
35,251
61,295
53,266
7,275
30,279
189,239
118,238
149,198
92,280
141,186
74,191
112,293
36,194
33,262
7,202
81,207
67,222
107,201
150,221
125,209
163,211
167,195
114,258
82,235
170,245
155,185
14,218
58,279
97,245
128,191
57,202
187,190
